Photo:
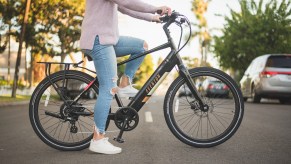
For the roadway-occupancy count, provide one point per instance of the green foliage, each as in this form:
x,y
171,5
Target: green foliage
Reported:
x,y
199,9
20,84
3,82
144,72
258,29
8,10
54,26
121,68
8,98
190,62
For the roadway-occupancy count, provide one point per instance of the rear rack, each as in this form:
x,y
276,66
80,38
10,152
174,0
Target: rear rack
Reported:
x,y
59,89
66,67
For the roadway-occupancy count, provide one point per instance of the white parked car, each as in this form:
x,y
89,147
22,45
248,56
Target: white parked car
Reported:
x,y
268,76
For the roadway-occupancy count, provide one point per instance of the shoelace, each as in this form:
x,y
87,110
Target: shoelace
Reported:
x,y
105,140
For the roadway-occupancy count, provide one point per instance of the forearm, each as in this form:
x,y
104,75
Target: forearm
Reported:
x,y
136,5
136,14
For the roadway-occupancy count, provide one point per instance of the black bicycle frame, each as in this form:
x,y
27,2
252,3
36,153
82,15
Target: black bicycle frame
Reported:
x,y
152,83
172,59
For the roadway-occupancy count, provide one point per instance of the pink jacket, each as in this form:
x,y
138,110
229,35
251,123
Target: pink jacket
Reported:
x,y
101,19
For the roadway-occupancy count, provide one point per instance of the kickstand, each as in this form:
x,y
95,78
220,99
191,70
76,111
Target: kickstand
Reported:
x,y
119,137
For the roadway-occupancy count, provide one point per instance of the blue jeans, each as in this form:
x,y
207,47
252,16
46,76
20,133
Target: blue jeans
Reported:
x,y
104,57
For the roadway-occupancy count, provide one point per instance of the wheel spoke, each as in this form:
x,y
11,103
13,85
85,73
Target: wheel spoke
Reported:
x,y
204,127
60,132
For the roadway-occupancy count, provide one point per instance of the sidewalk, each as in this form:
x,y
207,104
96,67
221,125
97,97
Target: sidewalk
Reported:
x,y
7,91
24,102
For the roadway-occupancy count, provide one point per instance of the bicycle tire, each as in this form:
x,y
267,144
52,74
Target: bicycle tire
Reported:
x,y
195,127
45,99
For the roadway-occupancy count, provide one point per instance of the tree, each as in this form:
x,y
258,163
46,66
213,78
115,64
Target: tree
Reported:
x,y
18,59
68,26
53,34
144,71
9,10
256,30
56,34
52,27
199,8
142,74
191,62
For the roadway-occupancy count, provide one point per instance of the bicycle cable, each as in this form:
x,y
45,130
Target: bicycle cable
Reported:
x,y
179,49
190,33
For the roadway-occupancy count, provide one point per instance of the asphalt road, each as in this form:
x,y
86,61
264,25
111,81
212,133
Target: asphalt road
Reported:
x,y
264,137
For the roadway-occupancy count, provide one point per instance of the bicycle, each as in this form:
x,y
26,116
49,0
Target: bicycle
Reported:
x,y
61,115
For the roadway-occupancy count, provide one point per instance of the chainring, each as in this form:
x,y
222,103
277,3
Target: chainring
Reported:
x,y
123,113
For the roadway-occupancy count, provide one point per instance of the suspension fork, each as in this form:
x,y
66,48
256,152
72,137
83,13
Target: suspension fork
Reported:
x,y
186,76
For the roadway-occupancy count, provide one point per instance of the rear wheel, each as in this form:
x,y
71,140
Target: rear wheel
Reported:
x,y
199,128
284,100
64,125
255,97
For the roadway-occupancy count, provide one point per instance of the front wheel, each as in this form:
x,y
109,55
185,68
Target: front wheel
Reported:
x,y
204,128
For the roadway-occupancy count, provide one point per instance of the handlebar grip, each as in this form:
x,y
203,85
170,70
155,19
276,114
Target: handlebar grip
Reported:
x,y
164,19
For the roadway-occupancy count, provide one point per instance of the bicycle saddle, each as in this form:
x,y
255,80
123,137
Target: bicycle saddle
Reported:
x,y
87,54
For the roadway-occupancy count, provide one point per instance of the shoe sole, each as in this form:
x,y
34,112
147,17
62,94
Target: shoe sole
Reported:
x,y
106,152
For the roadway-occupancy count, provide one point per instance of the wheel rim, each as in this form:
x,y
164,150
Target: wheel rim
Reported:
x,y
205,127
60,132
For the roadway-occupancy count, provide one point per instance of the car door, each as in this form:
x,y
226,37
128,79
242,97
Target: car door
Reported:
x,y
246,80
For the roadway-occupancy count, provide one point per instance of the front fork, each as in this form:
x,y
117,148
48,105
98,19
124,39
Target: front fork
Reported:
x,y
186,76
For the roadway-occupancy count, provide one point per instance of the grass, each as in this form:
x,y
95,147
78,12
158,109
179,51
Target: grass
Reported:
x,y
7,98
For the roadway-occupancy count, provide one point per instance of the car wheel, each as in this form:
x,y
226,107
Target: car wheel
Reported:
x,y
284,100
256,98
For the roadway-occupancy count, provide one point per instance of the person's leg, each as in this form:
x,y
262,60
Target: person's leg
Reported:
x,y
133,47
106,68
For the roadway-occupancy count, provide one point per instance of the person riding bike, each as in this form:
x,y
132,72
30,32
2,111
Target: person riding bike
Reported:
x,y
100,40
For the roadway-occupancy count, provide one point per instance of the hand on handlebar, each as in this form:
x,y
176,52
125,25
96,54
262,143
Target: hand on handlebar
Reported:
x,y
156,19
164,10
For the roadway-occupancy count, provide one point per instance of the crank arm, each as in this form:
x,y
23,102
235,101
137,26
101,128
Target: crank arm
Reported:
x,y
119,137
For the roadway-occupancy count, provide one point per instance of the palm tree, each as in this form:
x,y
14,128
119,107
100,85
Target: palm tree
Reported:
x,y
199,8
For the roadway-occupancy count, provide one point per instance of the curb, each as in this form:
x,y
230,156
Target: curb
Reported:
x,y
3,104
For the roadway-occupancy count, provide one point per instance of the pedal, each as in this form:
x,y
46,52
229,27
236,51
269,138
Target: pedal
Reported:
x,y
117,139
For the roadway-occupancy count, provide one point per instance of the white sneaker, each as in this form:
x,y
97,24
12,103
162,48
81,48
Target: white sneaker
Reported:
x,y
103,146
127,91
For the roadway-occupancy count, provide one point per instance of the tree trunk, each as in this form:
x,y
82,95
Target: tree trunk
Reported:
x,y
72,58
26,69
31,74
9,54
18,60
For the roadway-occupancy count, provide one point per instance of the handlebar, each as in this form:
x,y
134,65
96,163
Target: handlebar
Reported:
x,y
179,19
172,18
